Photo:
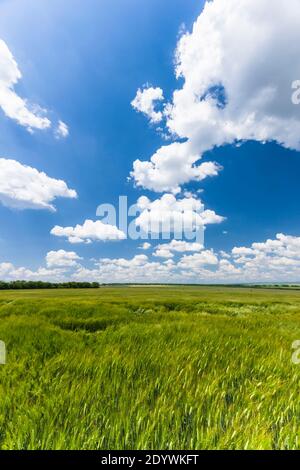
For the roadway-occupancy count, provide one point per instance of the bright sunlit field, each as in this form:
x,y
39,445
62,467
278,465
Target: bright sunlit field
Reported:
x,y
150,368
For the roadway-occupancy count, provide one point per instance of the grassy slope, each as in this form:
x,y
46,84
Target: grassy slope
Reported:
x,y
149,367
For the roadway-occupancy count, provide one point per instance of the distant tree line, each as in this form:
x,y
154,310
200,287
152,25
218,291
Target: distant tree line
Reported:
x,y
47,285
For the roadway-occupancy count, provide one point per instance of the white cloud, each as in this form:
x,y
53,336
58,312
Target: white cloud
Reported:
x,y
145,246
62,130
137,269
209,217
9,272
171,215
242,251
225,255
170,167
163,253
145,102
15,107
237,64
181,246
136,261
206,257
88,232
62,258
271,261
275,254
24,187
274,261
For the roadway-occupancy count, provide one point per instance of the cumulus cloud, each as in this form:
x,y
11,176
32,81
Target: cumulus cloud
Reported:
x,y
145,102
275,260
163,253
181,246
137,269
88,232
171,215
24,187
9,272
206,257
136,261
272,261
270,258
237,66
62,258
171,166
145,246
15,107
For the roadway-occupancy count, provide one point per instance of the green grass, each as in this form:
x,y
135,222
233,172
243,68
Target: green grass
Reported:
x,y
150,368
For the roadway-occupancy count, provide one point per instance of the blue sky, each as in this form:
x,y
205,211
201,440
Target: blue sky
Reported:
x,y
84,66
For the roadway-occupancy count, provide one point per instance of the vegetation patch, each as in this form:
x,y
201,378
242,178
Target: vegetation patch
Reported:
x,y
149,368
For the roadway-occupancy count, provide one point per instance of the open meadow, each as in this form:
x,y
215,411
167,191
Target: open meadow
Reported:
x,y
150,368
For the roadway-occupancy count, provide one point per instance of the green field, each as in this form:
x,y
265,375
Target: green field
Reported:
x,y
150,368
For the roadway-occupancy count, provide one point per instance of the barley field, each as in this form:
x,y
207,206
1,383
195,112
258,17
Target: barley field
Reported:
x,y
150,368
